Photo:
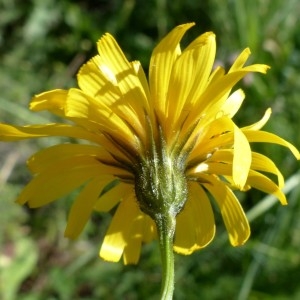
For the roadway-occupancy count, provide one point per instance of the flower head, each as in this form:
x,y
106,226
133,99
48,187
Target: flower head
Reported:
x,y
152,149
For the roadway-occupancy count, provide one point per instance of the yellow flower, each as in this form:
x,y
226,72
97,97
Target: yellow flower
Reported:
x,y
151,148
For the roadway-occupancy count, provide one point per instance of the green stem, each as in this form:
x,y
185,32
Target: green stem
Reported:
x,y
166,229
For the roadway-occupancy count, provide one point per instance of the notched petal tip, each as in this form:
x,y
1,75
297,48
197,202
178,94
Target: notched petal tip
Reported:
x,y
210,35
105,37
110,253
283,202
264,68
186,25
247,51
236,242
53,101
207,38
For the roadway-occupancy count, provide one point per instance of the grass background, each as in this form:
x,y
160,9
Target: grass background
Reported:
x,y
42,45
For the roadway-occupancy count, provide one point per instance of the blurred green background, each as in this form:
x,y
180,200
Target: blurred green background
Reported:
x,y
42,45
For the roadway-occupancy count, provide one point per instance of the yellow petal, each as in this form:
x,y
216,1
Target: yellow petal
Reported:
x,y
233,103
126,77
203,49
95,84
267,137
82,106
118,233
254,179
83,206
219,163
112,56
241,159
96,116
53,101
224,156
189,75
263,163
195,223
71,160
233,215
266,185
219,168
59,180
132,250
217,91
257,68
112,197
216,74
214,135
9,133
163,57
258,125
143,230
138,69
44,158
149,232
240,60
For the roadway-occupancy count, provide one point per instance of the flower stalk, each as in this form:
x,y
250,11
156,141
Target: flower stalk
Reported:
x,y
166,228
